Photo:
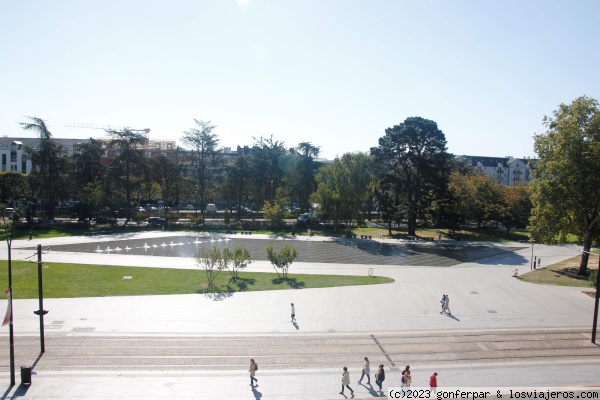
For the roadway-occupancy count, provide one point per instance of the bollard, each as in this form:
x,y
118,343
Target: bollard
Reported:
x,y
25,375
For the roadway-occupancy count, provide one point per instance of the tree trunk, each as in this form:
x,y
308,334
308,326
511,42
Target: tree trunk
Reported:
x,y
390,227
412,224
585,255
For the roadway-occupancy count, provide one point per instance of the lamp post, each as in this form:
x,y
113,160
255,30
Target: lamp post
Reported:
x,y
11,333
595,323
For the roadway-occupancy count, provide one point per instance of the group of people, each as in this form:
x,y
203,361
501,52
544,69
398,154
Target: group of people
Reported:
x,y
366,371
445,304
406,379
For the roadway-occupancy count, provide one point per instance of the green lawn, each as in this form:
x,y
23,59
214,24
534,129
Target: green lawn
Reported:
x,y
76,280
563,273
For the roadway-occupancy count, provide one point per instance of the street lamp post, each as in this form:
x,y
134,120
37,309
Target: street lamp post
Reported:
x,y
11,331
594,328
595,323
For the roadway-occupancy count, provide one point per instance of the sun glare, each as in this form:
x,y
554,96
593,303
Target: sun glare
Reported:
x,y
242,2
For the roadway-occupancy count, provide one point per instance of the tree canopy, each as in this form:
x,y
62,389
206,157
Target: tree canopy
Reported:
x,y
413,167
566,189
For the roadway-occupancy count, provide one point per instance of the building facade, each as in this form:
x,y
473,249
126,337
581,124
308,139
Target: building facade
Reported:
x,y
507,171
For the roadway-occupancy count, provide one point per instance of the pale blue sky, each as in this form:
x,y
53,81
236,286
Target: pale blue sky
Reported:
x,y
336,73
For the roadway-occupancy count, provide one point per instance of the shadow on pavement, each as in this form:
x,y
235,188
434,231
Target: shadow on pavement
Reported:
x,y
256,393
372,391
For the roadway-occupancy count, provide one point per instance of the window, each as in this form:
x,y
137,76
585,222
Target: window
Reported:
x,y
169,146
158,146
24,167
13,157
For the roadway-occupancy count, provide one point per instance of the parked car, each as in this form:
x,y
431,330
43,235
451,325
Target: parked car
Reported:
x,y
156,221
211,208
304,217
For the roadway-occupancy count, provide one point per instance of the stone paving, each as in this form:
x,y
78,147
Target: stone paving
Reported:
x,y
484,296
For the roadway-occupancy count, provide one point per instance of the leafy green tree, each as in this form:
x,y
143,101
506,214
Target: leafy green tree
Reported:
x,y
204,158
275,211
13,186
515,207
87,163
566,188
47,164
267,168
302,178
240,259
344,188
478,198
213,261
413,163
166,174
237,183
129,162
283,259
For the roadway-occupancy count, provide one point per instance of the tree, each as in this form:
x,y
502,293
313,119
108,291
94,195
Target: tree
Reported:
x,y
166,174
413,163
566,188
344,187
240,259
204,158
478,198
303,175
128,161
87,163
47,163
515,207
213,262
275,211
283,259
268,165
13,186
237,184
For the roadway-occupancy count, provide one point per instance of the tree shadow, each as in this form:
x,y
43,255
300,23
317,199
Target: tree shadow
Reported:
x,y
291,282
572,273
215,294
241,283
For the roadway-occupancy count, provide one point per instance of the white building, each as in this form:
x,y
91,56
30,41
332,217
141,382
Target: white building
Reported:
x,y
507,171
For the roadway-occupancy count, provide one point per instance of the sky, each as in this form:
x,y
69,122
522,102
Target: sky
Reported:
x,y
335,73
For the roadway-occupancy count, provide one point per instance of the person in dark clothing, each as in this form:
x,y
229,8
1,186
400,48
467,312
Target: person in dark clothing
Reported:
x,y
380,377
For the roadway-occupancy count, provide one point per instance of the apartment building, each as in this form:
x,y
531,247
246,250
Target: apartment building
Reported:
x,y
509,171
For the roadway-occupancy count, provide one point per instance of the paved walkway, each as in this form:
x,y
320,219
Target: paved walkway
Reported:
x,y
484,295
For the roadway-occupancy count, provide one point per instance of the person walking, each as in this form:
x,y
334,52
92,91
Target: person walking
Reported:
x,y
406,378
433,383
366,371
380,377
443,301
447,305
293,313
252,370
346,381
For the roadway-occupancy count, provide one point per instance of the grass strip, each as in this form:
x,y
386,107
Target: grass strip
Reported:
x,y
563,273
81,280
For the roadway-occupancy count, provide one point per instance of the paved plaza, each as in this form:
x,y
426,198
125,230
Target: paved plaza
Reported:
x,y
484,297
